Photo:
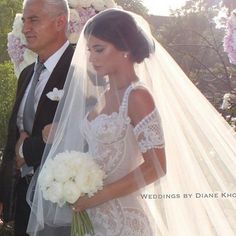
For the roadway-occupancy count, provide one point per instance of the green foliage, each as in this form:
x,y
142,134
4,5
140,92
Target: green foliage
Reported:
x,y
7,94
8,9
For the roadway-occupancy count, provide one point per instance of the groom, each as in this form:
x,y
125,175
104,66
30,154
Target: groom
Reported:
x,y
45,24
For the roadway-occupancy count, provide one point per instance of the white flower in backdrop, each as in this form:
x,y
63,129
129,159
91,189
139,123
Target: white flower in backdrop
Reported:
x,y
83,3
78,17
19,54
80,12
226,102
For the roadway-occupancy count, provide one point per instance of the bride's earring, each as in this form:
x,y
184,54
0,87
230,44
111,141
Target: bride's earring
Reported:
x,y
125,55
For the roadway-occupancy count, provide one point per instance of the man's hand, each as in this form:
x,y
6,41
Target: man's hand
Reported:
x,y
23,136
19,160
48,132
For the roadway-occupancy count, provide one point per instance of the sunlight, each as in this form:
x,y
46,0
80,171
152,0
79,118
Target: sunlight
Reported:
x,y
160,7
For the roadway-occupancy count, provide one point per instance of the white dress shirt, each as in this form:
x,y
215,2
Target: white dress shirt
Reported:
x,y
49,64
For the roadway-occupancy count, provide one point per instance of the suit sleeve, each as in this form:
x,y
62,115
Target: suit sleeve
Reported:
x,y
33,148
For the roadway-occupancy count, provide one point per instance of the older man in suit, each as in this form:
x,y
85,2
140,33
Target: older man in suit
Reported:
x,y
45,25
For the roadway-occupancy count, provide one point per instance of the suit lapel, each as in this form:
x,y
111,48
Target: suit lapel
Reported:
x,y
57,78
23,83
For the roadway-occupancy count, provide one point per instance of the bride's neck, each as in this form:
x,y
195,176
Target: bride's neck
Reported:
x,y
122,80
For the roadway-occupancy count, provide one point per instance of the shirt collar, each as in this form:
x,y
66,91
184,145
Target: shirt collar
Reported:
x,y
51,62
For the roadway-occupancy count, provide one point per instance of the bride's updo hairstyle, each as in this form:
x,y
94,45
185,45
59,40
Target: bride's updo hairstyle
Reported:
x,y
119,28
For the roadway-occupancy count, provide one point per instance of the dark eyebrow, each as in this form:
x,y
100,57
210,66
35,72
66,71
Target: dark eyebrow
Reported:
x,y
29,18
98,45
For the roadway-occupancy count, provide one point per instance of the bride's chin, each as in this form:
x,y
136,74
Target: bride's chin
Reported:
x,y
100,73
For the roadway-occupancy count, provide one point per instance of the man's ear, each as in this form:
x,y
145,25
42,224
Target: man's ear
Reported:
x,y
61,22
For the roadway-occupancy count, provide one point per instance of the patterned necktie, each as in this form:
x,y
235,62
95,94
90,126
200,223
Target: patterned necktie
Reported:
x,y
29,112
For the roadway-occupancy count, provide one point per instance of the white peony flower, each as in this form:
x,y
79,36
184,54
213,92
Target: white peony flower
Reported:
x,y
86,3
226,101
47,180
61,172
73,38
99,5
17,25
90,177
74,3
233,16
91,182
109,3
71,192
54,193
74,15
74,165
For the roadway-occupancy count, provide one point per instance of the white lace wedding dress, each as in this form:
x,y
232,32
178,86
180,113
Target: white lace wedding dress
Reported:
x,y
113,142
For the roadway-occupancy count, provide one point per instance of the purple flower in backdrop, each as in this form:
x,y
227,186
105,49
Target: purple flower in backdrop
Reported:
x,y
15,49
78,18
230,38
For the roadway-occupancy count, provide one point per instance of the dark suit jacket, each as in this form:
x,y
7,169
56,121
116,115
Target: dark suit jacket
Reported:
x,y
33,146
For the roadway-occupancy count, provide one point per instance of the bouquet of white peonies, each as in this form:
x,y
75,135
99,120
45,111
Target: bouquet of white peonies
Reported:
x,y
68,176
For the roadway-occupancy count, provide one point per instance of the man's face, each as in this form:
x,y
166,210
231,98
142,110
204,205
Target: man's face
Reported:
x,y
39,28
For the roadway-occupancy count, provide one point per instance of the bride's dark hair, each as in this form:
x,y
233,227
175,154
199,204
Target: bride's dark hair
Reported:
x,y
119,28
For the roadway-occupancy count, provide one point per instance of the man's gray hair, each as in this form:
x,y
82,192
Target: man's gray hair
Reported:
x,y
53,6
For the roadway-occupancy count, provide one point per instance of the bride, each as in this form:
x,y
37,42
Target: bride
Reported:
x,y
168,174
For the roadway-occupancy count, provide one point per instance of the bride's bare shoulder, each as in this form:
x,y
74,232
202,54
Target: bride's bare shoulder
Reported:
x,y
140,104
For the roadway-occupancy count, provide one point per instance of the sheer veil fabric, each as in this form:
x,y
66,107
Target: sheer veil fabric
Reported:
x,y
197,196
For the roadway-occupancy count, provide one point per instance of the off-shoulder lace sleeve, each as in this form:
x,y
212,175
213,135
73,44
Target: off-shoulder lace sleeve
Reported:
x,y
149,133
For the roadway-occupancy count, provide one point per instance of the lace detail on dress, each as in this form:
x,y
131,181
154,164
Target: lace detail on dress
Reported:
x,y
149,133
105,136
136,223
108,157
108,219
113,219
109,129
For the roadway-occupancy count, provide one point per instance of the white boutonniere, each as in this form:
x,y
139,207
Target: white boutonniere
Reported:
x,y
55,94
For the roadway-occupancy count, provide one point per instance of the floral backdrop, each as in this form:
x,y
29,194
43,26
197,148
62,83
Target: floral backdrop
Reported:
x,y
80,12
229,43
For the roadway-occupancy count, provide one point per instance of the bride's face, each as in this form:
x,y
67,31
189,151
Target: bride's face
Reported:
x,y
105,58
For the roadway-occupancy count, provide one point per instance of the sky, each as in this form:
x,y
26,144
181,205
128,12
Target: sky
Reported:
x,y
161,7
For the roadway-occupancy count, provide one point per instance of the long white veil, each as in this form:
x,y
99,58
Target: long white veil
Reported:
x,y
197,196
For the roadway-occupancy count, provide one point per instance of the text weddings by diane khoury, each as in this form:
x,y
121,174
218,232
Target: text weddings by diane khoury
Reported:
x,y
197,195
